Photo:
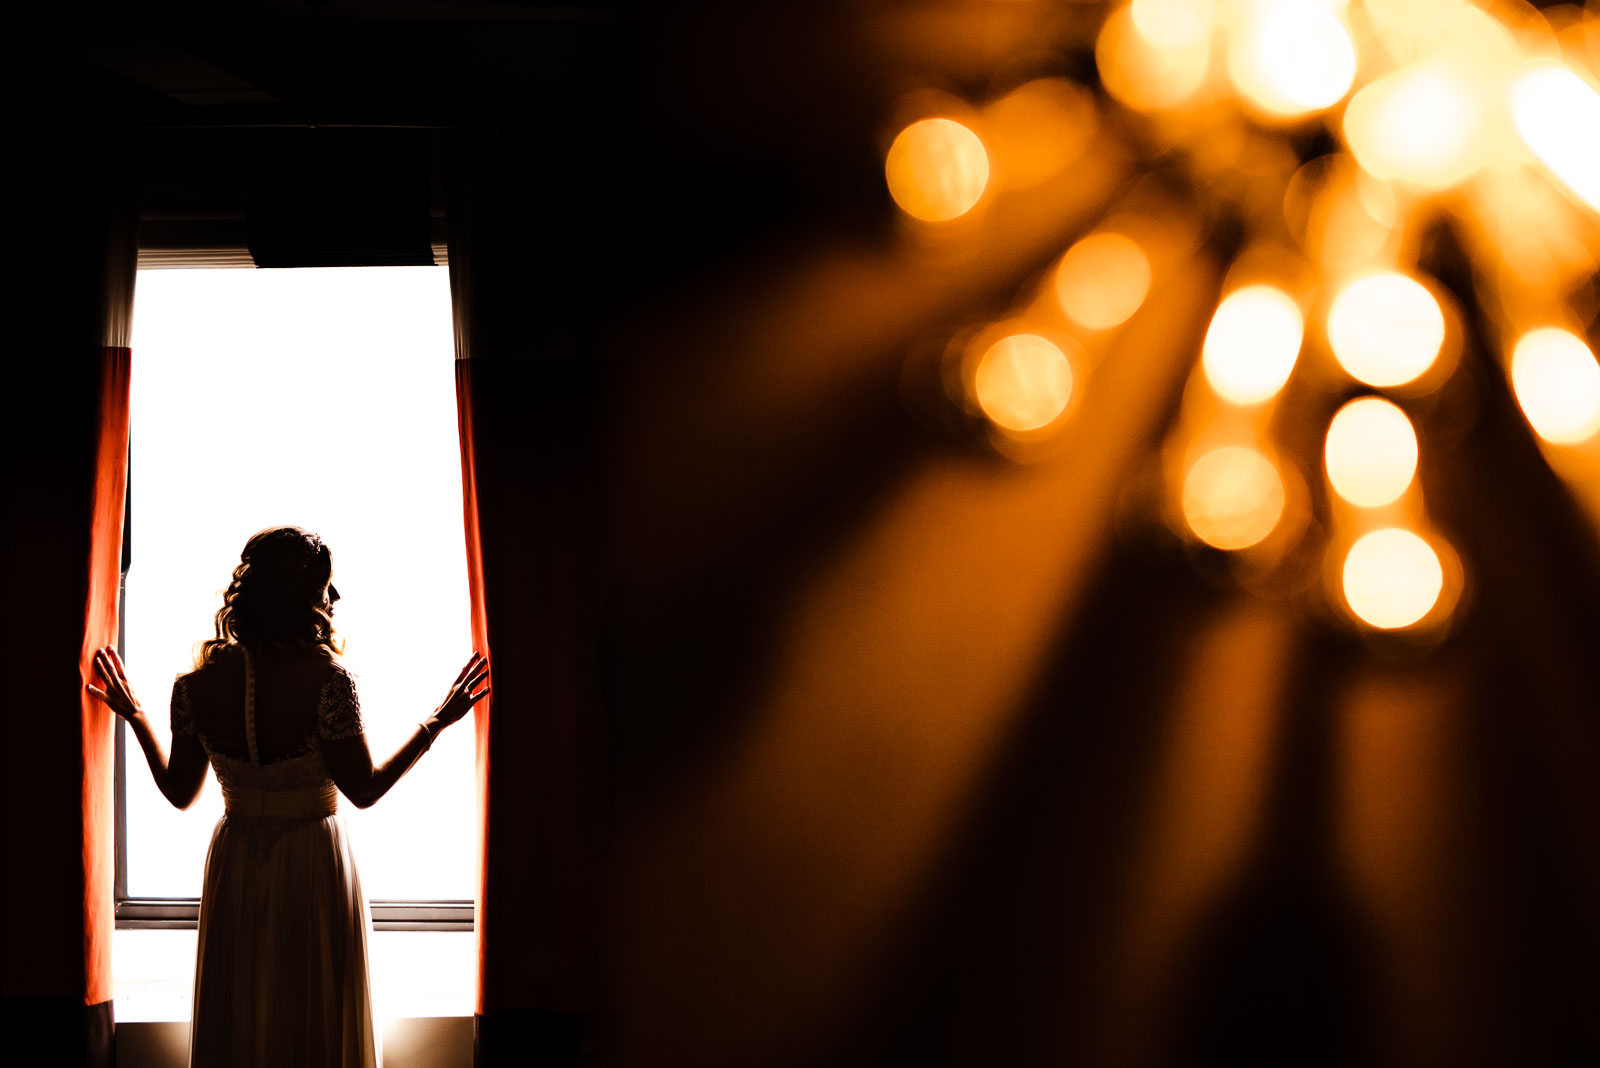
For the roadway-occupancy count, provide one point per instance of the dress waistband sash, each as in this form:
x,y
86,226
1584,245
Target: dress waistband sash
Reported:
x,y
253,803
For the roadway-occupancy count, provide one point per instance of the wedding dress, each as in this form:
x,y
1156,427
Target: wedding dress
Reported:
x,y
281,970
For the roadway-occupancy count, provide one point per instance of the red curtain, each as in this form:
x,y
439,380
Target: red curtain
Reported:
x,y
102,586
526,452
65,455
63,564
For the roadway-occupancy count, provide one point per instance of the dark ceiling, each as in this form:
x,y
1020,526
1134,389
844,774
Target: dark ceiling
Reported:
x,y
348,61
715,127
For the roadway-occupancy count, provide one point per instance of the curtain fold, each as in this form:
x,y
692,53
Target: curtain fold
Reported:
x,y
107,513
65,449
527,446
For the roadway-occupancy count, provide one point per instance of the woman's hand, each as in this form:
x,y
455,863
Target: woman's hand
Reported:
x,y
117,693
349,760
178,780
464,692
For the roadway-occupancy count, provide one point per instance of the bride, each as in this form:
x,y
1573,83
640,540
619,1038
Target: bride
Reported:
x,y
281,969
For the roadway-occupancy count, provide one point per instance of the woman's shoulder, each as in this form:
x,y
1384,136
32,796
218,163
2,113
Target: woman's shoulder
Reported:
x,y
215,664
327,661
313,664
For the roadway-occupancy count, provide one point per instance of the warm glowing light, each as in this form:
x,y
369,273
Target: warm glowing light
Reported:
x,y
1038,129
1392,578
1386,329
1370,452
1558,115
1173,23
1102,280
936,170
1480,46
1294,57
1252,344
1339,214
1420,125
1348,234
1413,17
1149,73
1233,497
1557,382
1023,382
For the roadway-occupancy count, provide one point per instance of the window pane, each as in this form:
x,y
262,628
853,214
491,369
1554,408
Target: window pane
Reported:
x,y
322,398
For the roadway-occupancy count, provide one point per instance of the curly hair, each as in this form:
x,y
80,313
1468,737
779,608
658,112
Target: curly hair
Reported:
x,y
275,597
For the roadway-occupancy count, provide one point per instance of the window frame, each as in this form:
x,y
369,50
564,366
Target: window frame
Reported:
x,y
131,912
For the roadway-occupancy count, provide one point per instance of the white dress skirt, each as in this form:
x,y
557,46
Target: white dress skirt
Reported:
x,y
281,969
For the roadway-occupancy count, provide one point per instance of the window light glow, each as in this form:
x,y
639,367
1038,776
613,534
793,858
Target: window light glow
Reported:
x,y
1102,280
1557,383
1252,344
1392,578
1233,497
1370,452
936,170
1558,115
323,398
1023,382
1386,329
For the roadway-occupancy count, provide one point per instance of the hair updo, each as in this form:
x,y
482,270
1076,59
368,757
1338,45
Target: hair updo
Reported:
x,y
275,598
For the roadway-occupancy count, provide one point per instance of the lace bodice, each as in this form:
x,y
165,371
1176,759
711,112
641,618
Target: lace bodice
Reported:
x,y
338,715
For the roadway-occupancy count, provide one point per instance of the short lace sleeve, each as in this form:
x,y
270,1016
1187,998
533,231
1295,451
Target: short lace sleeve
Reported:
x,y
182,714
339,709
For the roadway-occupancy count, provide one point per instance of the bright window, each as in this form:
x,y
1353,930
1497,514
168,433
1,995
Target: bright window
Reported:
x,y
322,398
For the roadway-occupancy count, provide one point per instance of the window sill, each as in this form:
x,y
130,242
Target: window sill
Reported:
x,y
440,1042
414,974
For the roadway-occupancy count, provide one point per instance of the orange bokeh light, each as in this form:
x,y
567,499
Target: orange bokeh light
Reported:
x,y
1038,129
1421,125
937,170
1233,497
1370,452
1392,578
1150,73
1292,57
1558,115
1102,280
1252,344
1023,382
1557,383
1386,329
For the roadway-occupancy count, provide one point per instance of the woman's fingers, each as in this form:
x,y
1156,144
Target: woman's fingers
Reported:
x,y
113,700
110,666
462,697
476,656
115,680
116,662
472,674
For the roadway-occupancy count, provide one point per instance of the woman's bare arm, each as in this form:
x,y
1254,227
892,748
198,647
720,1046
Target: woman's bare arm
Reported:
x,y
179,777
349,760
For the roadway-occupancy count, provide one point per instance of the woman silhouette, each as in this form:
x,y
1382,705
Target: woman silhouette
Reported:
x,y
281,969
